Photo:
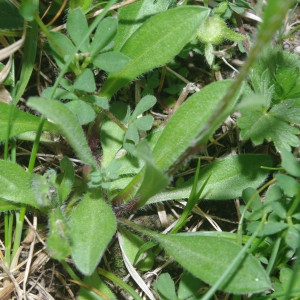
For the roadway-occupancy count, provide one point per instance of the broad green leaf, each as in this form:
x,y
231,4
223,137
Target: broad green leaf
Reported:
x,y
144,123
83,111
155,43
67,123
104,34
85,81
20,122
207,257
16,184
132,16
77,28
57,242
111,62
187,122
92,225
228,178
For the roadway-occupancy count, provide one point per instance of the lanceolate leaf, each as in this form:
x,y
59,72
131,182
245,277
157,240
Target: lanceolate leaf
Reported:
x,y
208,257
228,178
20,122
67,123
92,225
211,256
187,122
155,43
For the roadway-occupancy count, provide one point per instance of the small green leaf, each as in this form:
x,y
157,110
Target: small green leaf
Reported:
x,y
61,47
111,62
289,163
188,286
92,225
77,28
68,125
85,81
155,43
144,104
20,122
57,242
292,237
104,34
289,185
144,123
165,287
83,112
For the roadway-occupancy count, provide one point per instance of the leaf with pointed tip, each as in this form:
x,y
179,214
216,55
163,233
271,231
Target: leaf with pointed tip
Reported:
x,y
67,123
155,43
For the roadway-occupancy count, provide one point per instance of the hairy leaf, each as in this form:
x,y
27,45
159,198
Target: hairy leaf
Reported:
x,y
92,225
67,123
155,43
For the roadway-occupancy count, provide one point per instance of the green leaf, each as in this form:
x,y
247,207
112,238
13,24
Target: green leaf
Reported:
x,y
7,206
83,111
188,286
95,281
92,225
57,242
208,257
132,16
61,47
143,105
165,287
187,122
68,125
144,123
66,178
85,81
289,185
260,125
131,245
10,17
155,43
20,122
111,62
104,34
16,184
290,163
77,28
228,178
292,237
